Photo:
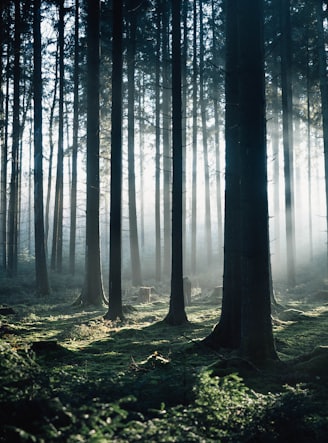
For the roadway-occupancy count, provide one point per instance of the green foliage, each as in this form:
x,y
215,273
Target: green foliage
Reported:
x,y
142,380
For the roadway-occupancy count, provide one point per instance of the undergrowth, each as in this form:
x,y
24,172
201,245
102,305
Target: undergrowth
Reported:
x,y
70,376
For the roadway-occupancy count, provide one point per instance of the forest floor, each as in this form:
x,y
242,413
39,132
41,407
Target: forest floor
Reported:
x,y
67,375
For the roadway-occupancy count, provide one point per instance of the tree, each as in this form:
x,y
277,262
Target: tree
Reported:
x,y
131,55
246,321
57,238
323,90
72,241
176,314
115,238
287,112
14,180
92,292
41,271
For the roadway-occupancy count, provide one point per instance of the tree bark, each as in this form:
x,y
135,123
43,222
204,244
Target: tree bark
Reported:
x,y
72,240
93,293
41,271
134,240
57,239
176,314
115,253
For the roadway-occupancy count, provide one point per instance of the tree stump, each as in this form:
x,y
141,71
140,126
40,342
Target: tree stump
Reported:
x,y
187,291
144,294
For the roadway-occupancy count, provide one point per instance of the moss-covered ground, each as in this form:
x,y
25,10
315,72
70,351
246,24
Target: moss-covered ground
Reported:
x,y
67,375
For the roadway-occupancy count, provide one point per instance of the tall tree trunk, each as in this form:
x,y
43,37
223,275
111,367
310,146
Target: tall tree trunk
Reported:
x,y
208,224
41,272
158,145
4,82
115,240
72,240
287,112
257,343
134,240
93,292
184,120
216,81
226,333
309,148
194,146
141,117
13,199
51,148
167,164
176,314
324,94
57,239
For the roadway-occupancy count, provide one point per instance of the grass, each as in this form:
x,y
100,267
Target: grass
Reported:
x,y
144,381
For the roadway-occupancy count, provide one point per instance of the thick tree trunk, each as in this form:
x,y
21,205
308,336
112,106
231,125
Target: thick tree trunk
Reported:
x,y
257,343
41,271
115,254
227,332
176,314
324,93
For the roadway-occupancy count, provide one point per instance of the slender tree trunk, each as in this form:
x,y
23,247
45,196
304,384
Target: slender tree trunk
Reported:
x,y
194,146
167,164
217,133
115,252
176,314
134,240
287,110
141,116
41,272
3,141
72,240
309,148
93,292
51,151
158,244
57,239
208,224
184,120
13,200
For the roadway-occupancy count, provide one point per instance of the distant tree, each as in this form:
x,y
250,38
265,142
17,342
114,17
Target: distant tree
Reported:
x,y
133,8
176,314
287,117
41,271
92,292
115,253
203,111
